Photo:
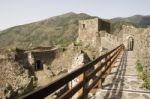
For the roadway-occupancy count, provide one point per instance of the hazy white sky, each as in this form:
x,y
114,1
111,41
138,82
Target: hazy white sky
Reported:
x,y
16,12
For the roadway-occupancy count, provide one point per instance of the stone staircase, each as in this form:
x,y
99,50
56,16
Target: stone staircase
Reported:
x,y
123,81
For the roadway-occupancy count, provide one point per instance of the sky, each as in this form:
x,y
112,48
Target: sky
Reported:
x,y
17,12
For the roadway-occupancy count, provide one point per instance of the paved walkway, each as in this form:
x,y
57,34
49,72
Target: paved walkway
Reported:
x,y
123,82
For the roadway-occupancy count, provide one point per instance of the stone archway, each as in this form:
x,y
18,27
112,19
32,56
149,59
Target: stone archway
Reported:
x,y
130,44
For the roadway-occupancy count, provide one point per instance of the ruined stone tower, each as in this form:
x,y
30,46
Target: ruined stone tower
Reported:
x,y
89,30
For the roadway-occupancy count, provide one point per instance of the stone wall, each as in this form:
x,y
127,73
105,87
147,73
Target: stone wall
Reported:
x,y
141,46
22,58
103,26
46,57
30,57
109,41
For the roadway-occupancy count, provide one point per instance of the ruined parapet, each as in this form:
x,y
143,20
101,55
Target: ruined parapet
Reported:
x,y
37,58
112,38
22,58
109,41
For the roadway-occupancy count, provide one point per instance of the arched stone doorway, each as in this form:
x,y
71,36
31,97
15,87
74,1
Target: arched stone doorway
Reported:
x,y
38,65
130,44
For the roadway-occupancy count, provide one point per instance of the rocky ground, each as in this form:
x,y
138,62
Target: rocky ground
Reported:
x,y
44,78
123,81
14,78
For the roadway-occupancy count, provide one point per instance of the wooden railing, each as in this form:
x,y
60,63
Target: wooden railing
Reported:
x,y
102,66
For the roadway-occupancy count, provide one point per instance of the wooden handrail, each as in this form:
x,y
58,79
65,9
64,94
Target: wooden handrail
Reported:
x,y
57,84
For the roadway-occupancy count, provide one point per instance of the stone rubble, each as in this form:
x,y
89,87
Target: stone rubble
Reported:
x,y
14,78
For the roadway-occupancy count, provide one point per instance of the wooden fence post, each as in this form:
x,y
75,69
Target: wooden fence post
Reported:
x,y
85,85
110,68
103,77
99,83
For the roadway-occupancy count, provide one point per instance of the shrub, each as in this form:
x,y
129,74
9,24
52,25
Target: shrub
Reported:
x,y
142,75
139,67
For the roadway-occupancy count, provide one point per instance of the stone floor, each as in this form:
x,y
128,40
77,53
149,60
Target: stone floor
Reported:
x,y
123,82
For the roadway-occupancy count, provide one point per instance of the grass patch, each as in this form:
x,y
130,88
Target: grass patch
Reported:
x,y
142,75
65,42
139,67
147,85
146,81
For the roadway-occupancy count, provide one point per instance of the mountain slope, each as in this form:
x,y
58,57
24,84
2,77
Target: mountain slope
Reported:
x,y
137,20
55,30
58,30
117,26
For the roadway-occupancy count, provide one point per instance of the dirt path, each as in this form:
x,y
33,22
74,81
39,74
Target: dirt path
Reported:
x,y
43,79
123,82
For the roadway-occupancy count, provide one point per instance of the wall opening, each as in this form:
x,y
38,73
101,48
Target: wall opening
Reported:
x,y
83,26
130,44
38,65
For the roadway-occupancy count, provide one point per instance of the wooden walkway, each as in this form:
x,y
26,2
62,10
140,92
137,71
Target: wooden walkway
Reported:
x,y
123,81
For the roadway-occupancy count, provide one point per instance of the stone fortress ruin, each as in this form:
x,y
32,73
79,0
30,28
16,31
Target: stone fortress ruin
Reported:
x,y
94,39
93,33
